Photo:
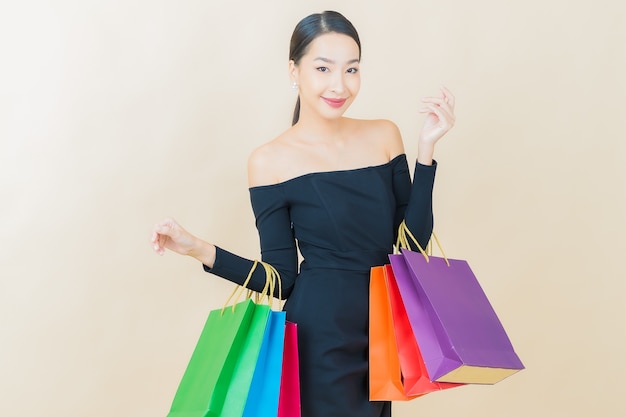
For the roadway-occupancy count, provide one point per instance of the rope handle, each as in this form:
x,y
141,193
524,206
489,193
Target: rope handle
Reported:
x,y
403,242
271,276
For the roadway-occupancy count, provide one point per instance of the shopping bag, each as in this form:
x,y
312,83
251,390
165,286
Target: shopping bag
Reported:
x,y
459,334
228,335
219,375
385,377
289,400
262,398
415,380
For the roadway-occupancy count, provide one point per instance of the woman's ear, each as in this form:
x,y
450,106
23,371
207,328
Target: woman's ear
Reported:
x,y
293,72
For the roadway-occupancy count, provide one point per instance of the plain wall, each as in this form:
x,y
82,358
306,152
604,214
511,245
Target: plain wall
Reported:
x,y
115,114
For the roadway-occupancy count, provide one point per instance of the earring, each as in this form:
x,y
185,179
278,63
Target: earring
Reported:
x,y
294,86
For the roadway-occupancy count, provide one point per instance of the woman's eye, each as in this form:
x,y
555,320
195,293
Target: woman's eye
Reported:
x,y
322,69
353,70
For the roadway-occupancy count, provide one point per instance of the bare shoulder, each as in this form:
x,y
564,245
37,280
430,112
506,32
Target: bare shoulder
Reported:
x,y
264,162
383,133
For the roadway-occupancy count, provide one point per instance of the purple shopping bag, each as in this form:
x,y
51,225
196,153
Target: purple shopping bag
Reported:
x,y
458,332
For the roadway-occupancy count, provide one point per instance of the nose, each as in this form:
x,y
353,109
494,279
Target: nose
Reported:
x,y
337,85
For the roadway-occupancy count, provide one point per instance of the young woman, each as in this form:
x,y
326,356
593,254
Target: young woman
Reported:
x,y
337,189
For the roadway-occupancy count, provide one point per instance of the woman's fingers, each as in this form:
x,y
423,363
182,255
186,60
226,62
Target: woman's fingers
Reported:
x,y
448,97
165,226
168,234
443,114
442,102
442,110
434,104
161,233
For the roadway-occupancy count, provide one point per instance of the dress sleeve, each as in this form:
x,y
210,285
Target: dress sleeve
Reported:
x,y
278,245
414,201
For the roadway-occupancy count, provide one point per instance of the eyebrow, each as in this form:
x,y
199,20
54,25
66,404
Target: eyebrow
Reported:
x,y
330,61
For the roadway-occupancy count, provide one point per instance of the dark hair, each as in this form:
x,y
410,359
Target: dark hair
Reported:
x,y
310,28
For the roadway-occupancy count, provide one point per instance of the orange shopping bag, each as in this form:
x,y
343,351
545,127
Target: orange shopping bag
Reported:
x,y
385,377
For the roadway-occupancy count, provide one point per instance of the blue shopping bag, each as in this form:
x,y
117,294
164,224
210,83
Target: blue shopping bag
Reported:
x,y
264,390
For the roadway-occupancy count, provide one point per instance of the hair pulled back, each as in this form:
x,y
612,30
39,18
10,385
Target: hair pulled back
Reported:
x,y
310,28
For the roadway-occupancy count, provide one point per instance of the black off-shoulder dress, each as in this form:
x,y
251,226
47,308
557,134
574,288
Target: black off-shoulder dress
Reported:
x,y
343,222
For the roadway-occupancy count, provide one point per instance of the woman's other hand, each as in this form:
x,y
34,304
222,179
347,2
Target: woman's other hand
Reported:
x,y
168,234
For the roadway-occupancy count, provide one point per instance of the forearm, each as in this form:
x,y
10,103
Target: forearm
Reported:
x,y
236,268
418,215
203,252
425,153
414,199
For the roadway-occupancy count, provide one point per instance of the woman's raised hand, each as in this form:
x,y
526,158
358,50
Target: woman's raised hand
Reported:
x,y
439,120
440,116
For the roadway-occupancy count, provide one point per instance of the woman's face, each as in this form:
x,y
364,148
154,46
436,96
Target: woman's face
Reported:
x,y
328,75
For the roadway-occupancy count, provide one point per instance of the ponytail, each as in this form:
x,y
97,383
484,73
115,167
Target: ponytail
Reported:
x,y
296,112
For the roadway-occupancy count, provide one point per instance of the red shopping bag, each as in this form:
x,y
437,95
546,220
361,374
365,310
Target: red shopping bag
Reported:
x,y
289,400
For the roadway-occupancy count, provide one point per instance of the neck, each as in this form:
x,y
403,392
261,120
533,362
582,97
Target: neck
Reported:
x,y
314,127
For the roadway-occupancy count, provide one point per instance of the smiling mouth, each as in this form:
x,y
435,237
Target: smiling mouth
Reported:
x,y
334,102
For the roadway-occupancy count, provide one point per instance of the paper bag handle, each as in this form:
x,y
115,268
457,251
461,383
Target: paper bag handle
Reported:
x,y
403,242
271,276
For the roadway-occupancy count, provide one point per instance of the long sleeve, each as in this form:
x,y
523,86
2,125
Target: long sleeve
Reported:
x,y
414,200
278,245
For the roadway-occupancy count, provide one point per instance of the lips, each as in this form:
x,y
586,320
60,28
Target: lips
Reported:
x,y
334,102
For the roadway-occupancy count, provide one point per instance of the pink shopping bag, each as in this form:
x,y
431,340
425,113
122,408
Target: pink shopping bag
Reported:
x,y
289,400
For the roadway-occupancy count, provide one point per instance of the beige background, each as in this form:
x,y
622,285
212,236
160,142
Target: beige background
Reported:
x,y
114,114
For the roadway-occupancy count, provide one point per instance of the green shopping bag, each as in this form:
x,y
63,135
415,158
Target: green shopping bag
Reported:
x,y
218,376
